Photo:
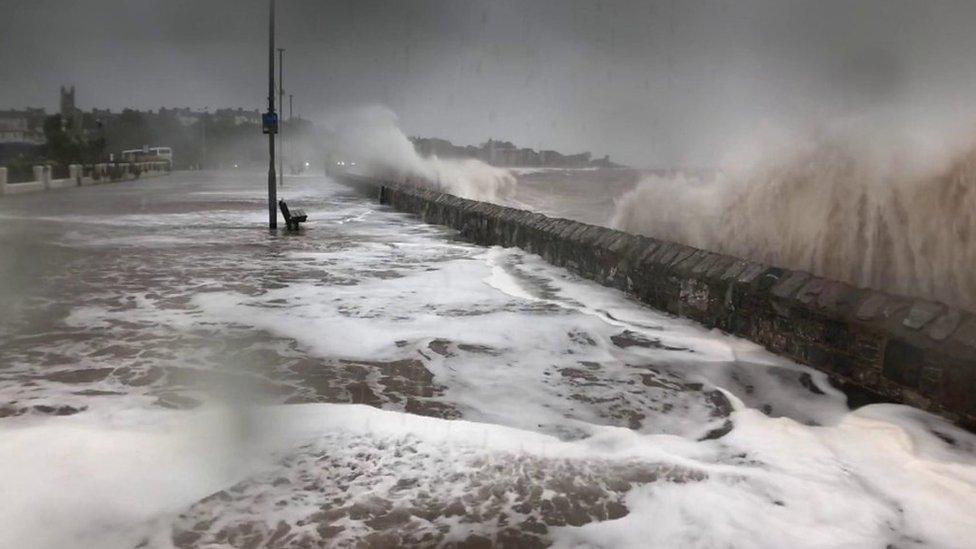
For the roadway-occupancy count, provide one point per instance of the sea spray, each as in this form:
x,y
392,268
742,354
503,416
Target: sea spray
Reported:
x,y
889,212
372,138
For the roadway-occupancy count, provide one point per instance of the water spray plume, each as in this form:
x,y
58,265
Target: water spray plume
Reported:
x,y
372,137
892,213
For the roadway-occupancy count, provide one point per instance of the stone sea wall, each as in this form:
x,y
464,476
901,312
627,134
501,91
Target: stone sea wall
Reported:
x,y
878,345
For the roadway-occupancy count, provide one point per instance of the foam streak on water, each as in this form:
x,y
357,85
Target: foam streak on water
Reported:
x,y
176,377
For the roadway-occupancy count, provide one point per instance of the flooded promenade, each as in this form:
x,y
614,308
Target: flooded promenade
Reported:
x,y
174,374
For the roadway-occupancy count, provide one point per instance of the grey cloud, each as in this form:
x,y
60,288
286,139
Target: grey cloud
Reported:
x,y
650,82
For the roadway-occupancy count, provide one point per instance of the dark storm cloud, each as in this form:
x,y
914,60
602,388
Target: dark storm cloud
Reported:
x,y
651,82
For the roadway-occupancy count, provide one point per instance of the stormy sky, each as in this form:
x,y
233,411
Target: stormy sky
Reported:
x,y
652,83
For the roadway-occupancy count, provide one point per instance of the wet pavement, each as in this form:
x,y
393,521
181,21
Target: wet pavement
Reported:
x,y
168,299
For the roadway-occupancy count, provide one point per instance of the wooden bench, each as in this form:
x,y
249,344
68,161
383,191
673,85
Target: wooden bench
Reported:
x,y
292,218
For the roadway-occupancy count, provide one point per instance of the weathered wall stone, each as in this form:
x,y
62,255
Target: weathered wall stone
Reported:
x,y
893,347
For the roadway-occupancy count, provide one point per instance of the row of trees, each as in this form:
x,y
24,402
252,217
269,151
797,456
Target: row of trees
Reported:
x,y
209,142
65,147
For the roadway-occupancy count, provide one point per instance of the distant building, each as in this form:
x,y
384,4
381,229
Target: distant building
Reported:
x,y
185,116
434,147
549,158
71,116
21,133
505,153
22,127
501,153
239,116
528,157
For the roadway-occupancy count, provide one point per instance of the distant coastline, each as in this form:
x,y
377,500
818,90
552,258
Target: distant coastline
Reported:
x,y
507,154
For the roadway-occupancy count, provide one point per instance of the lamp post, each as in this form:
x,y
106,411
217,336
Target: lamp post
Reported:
x,y
281,129
290,97
271,124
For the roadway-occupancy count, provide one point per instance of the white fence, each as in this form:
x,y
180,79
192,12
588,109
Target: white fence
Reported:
x,y
79,176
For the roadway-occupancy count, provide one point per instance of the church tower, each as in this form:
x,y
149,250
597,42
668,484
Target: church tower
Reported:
x,y
70,114
67,101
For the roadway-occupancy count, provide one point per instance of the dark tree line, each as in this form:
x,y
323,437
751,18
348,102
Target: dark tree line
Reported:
x,y
65,146
208,142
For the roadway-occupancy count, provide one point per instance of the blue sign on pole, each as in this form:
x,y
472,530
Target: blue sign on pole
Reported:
x,y
269,122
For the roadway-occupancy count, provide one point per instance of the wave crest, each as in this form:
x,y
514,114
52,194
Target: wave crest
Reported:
x,y
372,136
894,218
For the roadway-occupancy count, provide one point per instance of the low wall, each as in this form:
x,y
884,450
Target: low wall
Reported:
x,y
892,347
97,174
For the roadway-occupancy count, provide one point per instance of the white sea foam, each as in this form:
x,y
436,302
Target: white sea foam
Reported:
x,y
513,333
879,477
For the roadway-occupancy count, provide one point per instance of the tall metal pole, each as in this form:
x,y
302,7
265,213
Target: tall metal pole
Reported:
x,y
203,130
290,97
272,191
281,128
